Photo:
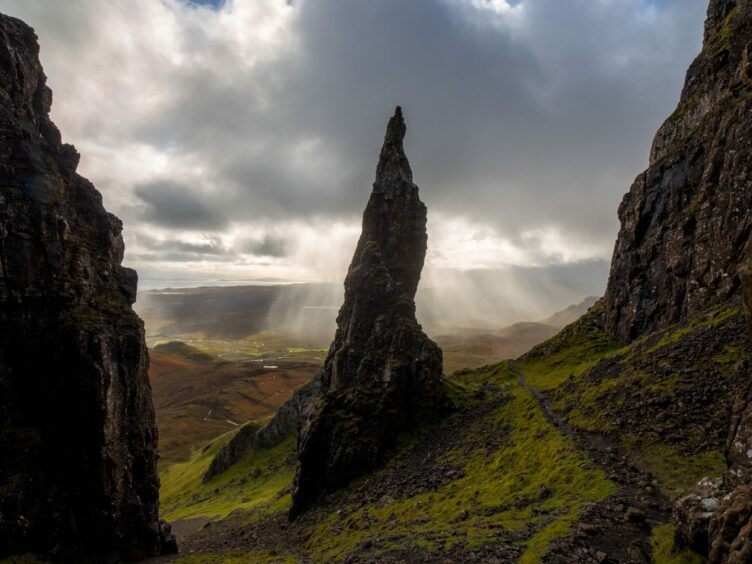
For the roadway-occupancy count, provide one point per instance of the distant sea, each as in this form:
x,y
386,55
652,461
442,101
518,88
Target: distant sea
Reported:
x,y
146,284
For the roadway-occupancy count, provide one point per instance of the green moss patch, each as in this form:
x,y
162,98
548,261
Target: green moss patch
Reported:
x,y
598,387
259,481
268,556
579,347
530,488
662,541
675,472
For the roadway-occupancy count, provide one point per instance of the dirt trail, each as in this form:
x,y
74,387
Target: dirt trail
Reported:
x,y
616,529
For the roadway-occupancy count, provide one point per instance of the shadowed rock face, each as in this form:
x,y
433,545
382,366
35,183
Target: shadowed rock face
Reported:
x,y
382,373
78,440
686,219
726,531
690,214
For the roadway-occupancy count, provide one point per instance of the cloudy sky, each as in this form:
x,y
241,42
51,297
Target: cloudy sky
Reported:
x,y
238,139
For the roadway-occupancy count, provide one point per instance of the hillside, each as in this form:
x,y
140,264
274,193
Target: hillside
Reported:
x,y
473,348
588,447
562,318
198,397
205,387
269,321
505,474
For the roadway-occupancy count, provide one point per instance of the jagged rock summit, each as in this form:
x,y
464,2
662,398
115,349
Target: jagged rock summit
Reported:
x,y
686,219
382,373
78,440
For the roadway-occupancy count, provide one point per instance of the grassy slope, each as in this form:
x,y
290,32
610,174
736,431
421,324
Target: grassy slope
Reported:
x,y
532,457
581,346
499,488
502,489
199,397
184,496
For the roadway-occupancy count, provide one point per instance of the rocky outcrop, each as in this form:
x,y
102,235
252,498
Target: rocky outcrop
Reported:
x,y
718,523
683,247
715,523
727,525
686,218
745,277
382,373
78,440
254,436
692,514
730,529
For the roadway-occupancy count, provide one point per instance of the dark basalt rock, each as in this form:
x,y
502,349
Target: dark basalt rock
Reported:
x,y
78,440
730,529
727,532
686,219
382,373
718,523
684,246
739,444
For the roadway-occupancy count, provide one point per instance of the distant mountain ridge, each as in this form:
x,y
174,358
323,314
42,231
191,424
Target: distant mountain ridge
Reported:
x,y
570,314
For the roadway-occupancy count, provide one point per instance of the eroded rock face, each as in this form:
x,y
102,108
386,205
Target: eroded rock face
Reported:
x,y
693,512
382,373
730,529
78,439
686,219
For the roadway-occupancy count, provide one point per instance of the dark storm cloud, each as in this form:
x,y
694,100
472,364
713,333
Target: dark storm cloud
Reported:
x,y
211,246
175,205
268,246
528,120
541,117
176,256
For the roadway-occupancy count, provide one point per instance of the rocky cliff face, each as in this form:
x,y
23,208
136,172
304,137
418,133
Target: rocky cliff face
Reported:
x,y
686,218
721,520
78,439
685,243
382,373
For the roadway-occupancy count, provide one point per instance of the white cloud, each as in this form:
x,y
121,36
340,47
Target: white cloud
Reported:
x,y
526,122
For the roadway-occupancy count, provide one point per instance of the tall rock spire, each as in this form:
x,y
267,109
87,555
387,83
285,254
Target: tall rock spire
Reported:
x,y
78,438
382,373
